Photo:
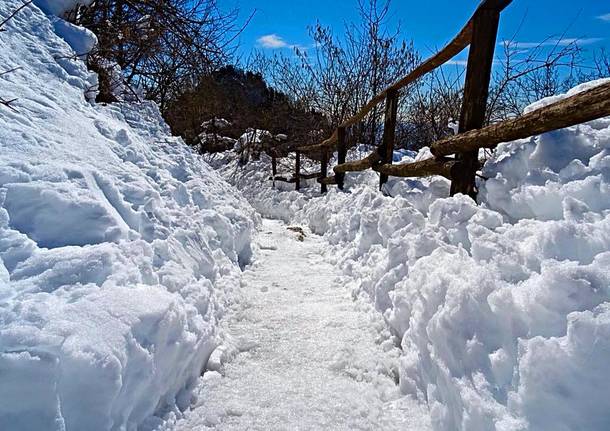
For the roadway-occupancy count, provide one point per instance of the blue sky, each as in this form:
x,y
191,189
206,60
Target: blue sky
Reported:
x,y
279,24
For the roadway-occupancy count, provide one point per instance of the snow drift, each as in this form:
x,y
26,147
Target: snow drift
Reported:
x,y
119,248
502,309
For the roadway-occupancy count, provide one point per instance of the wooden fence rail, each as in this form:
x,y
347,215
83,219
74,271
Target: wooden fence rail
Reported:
x,y
480,33
453,48
580,108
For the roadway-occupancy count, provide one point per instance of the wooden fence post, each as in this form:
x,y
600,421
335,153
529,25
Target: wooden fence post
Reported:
x,y
386,150
297,171
273,167
341,155
476,89
324,170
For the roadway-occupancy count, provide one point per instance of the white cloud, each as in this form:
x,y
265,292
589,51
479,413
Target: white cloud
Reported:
x,y
605,17
551,42
457,62
272,41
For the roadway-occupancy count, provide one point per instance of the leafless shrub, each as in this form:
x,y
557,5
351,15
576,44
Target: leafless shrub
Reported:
x,y
525,75
335,76
522,74
160,45
429,106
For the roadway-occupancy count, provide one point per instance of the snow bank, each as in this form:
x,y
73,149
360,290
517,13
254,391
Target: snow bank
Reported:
x,y
60,7
119,248
279,201
502,309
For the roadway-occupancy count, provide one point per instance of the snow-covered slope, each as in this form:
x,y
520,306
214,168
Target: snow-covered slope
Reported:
x,y
119,248
502,309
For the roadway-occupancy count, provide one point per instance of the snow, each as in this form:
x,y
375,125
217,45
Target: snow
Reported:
x,y
572,92
60,7
81,40
303,354
120,249
502,308
558,175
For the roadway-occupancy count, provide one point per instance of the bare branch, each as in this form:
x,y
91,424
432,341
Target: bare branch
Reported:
x,y
12,15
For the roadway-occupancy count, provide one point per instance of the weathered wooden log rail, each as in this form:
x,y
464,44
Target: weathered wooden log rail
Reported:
x,y
455,157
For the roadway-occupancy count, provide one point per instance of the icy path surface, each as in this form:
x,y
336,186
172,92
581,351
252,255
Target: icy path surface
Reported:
x,y
308,357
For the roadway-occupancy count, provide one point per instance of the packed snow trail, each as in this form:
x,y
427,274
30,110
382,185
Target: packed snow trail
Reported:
x,y
311,357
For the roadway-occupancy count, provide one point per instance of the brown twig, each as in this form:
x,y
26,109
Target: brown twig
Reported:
x,y
7,103
26,4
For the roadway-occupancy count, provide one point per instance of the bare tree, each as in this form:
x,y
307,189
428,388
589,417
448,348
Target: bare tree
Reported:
x,y
524,75
335,76
429,107
160,45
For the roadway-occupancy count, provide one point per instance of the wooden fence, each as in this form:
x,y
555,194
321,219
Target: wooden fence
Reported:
x,y
455,157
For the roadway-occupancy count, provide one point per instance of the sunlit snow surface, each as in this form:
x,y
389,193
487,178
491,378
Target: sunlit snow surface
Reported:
x,y
503,309
304,355
119,248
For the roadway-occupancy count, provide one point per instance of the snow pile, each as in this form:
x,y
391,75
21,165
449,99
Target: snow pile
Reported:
x,y
60,7
502,309
281,202
572,92
119,248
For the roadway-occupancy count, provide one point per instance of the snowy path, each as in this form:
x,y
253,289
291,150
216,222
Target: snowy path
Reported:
x,y
309,358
